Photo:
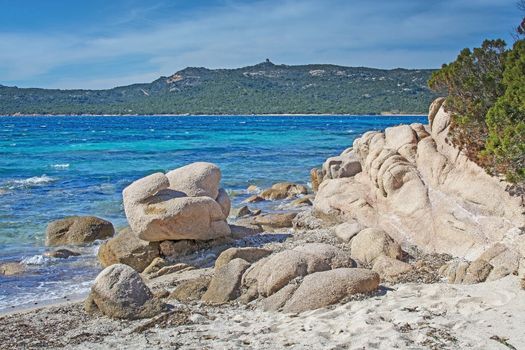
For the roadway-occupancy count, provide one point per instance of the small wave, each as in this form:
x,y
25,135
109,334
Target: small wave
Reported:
x,y
60,166
350,131
30,182
35,260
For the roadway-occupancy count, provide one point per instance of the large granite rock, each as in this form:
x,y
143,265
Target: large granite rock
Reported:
x,y
371,243
127,248
344,165
282,267
283,190
249,254
78,230
120,292
12,269
325,288
225,283
421,190
186,203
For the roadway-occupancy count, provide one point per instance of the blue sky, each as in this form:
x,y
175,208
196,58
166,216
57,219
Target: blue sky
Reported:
x,y
105,43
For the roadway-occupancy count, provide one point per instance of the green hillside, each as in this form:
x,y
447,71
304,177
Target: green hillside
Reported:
x,y
261,89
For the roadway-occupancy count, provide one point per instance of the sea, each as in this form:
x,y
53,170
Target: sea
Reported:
x,y
53,167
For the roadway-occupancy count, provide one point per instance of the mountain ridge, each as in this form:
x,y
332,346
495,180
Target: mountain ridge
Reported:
x,y
264,88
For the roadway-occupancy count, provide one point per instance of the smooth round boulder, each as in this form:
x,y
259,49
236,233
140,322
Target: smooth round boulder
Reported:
x,y
325,288
196,179
249,254
333,256
282,267
283,190
78,230
371,243
120,292
225,283
127,248
388,268
12,269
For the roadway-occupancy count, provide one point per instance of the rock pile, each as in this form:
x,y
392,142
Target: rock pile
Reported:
x,y
185,203
418,188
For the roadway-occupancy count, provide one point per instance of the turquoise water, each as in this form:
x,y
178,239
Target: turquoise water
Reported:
x,y
51,167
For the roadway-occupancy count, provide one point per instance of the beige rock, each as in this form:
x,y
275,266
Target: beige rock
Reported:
x,y
242,211
190,290
421,190
254,199
126,248
325,288
278,220
399,136
196,179
224,201
159,209
347,230
78,230
420,130
244,230
157,264
332,256
12,269
277,300
283,190
282,267
251,276
166,270
478,271
346,165
249,254
303,201
389,268
120,292
225,283
371,243
316,177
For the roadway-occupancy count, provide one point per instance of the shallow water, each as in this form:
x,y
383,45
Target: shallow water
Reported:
x,y
51,167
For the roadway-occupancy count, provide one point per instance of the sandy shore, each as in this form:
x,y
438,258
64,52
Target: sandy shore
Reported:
x,y
406,316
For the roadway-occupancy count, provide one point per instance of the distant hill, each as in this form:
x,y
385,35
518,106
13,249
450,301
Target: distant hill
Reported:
x,y
261,89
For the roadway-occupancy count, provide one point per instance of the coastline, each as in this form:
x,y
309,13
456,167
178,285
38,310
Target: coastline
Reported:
x,y
220,115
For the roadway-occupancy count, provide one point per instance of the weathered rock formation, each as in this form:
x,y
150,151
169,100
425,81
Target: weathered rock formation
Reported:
x,y
422,191
78,230
127,248
185,203
120,292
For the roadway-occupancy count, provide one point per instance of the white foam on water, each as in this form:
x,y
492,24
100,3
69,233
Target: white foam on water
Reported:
x,y
35,260
60,166
30,182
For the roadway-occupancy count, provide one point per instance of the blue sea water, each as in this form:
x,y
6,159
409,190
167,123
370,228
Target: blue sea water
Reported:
x,y
51,167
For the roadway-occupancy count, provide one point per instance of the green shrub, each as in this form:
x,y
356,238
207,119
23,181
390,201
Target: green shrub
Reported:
x,y
473,83
505,145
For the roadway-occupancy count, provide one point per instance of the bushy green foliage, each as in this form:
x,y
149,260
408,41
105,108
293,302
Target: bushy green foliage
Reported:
x,y
486,98
473,83
261,89
506,119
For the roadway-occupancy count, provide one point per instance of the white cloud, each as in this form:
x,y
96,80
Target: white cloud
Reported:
x,y
381,33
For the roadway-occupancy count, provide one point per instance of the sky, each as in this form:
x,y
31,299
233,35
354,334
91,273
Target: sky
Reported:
x,y
98,44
